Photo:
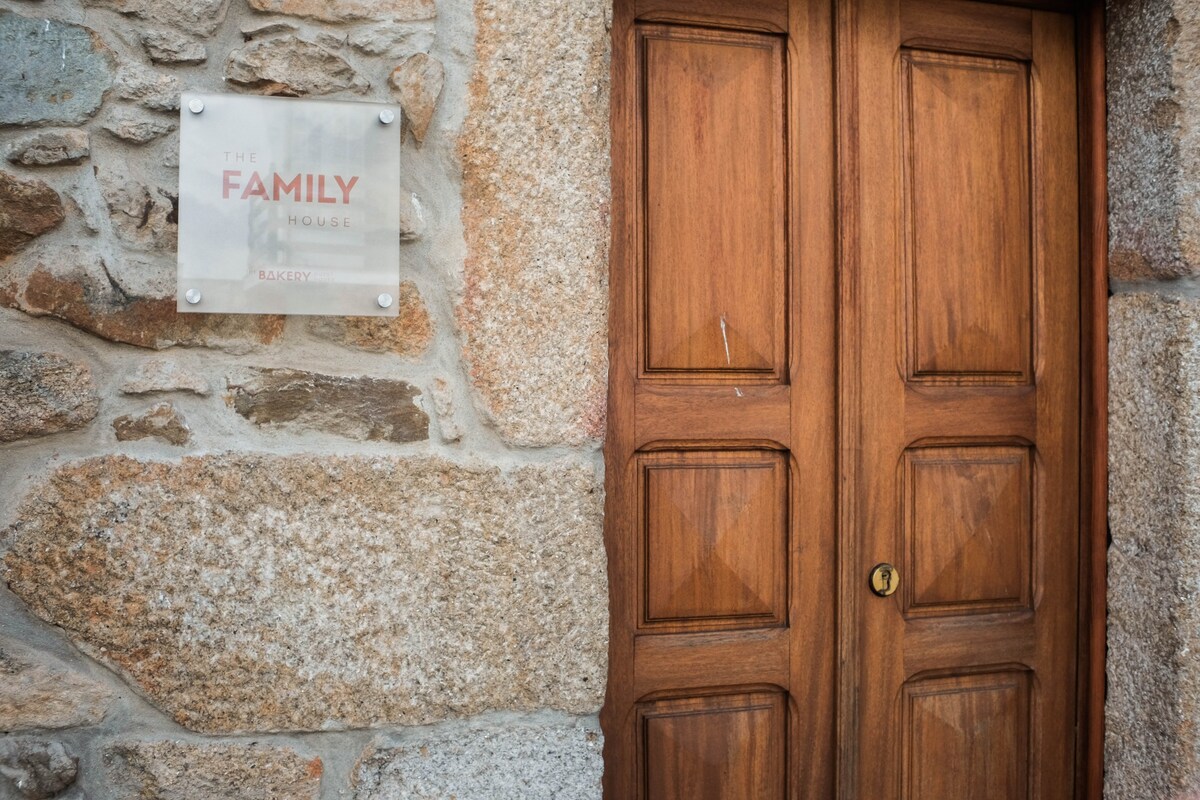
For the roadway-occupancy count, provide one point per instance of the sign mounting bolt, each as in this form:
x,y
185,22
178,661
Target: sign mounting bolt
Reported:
x,y
384,300
387,116
192,296
196,105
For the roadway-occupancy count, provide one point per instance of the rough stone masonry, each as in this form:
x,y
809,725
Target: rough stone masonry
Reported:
x,y
271,557
1152,720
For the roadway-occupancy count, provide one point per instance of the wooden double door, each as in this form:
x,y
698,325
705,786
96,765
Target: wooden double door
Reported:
x,y
845,333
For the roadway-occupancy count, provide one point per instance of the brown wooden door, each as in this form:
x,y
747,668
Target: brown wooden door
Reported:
x,y
843,333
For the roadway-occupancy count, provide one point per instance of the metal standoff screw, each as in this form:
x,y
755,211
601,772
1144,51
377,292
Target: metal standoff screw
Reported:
x,y
192,295
384,300
387,116
196,105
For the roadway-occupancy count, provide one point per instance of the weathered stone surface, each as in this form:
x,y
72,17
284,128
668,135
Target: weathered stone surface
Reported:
x,y
181,771
169,151
392,39
407,335
28,208
83,195
136,127
268,29
1152,720
52,72
200,17
172,47
417,84
148,88
443,404
531,759
162,375
291,66
351,10
144,217
1154,138
40,692
148,278
74,284
35,770
355,407
42,393
320,592
535,214
412,218
161,421
51,148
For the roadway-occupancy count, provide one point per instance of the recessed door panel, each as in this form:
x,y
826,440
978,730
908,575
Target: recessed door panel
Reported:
x,y
714,212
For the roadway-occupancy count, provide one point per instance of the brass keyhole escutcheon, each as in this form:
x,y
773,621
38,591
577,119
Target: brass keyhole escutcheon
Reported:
x,y
884,579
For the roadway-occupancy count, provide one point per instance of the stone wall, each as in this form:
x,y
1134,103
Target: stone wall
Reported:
x,y
304,557
1153,713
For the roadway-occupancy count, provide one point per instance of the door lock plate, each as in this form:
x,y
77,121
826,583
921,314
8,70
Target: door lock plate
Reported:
x,y
885,579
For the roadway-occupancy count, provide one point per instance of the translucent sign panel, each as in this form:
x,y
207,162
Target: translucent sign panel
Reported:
x,y
288,206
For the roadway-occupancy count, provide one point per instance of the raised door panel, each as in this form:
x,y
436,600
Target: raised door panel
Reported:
x,y
968,528
714,210
967,737
968,209
714,538
714,748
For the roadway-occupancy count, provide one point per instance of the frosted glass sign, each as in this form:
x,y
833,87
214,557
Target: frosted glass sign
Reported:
x,y
288,206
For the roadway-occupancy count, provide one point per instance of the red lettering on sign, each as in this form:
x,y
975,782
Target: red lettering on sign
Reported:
x,y
292,187
346,187
321,196
283,188
255,188
228,185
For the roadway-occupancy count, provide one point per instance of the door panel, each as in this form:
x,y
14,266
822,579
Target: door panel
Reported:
x,y
715,539
830,352
712,748
967,738
967,530
967,211
715,270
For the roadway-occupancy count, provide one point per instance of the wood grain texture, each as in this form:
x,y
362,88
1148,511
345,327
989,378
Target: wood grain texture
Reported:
x,y
848,32
988,528
968,529
714,748
1094,423
951,26
747,15
967,210
812,332
714,268
997,422
967,737
714,540
617,716
724,201
670,663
